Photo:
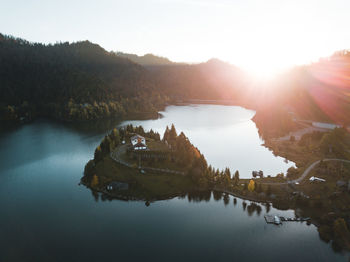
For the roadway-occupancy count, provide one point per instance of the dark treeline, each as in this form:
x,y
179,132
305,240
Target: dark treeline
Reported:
x,y
71,81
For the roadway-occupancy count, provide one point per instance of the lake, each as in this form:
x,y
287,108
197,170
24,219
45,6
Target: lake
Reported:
x,y
225,135
47,216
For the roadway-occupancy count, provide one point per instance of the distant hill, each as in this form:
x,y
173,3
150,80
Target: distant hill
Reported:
x,y
146,60
213,80
319,92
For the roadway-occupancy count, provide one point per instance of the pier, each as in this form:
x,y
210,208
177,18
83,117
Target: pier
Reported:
x,y
270,219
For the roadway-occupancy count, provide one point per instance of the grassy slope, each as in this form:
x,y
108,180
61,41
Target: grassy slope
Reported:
x,y
145,186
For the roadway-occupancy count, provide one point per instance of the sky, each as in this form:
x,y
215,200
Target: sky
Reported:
x,y
262,36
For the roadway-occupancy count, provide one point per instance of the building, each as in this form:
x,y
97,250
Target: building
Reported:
x,y
138,142
316,179
258,174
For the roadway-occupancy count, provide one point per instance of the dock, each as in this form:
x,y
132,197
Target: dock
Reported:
x,y
270,219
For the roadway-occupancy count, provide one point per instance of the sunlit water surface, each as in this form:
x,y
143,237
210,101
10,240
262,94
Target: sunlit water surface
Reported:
x,y
226,136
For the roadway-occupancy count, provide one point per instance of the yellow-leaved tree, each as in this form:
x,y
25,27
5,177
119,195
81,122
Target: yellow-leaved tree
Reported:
x,y
94,181
251,185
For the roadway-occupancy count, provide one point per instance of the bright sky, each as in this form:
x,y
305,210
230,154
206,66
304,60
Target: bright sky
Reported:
x,y
263,36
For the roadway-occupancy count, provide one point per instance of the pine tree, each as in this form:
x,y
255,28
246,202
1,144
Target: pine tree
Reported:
x,y
98,154
172,133
236,177
116,136
166,134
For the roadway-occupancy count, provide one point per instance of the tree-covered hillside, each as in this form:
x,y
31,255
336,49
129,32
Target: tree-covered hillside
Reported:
x,y
78,80
82,81
213,80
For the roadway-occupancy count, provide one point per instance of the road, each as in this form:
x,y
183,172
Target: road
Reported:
x,y
306,172
115,155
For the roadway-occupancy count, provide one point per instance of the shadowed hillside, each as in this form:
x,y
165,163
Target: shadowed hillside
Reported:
x,y
75,81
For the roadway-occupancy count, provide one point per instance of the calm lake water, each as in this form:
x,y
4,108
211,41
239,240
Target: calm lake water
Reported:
x,y
226,136
47,216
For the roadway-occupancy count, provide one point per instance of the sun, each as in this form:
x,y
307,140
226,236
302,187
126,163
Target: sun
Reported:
x,y
267,62
273,55
264,69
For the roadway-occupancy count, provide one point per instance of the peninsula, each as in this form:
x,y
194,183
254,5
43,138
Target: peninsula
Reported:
x,y
134,164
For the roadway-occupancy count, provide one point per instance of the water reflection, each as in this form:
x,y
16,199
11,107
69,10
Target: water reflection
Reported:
x,y
250,207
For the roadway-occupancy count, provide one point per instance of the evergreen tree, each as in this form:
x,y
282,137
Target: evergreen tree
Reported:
x,y
172,133
236,177
116,136
166,134
98,154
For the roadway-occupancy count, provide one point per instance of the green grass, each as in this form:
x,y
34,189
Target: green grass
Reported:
x,y
145,186
165,164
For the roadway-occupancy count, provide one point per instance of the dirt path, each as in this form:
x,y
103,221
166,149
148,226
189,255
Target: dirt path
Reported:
x,y
115,155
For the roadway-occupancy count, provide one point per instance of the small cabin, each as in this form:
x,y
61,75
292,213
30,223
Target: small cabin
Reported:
x,y
138,142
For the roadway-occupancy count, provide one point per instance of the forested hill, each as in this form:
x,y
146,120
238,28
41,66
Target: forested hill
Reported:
x,y
82,81
212,80
146,60
78,81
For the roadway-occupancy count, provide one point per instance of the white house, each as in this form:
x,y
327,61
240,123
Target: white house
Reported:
x,y
138,142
